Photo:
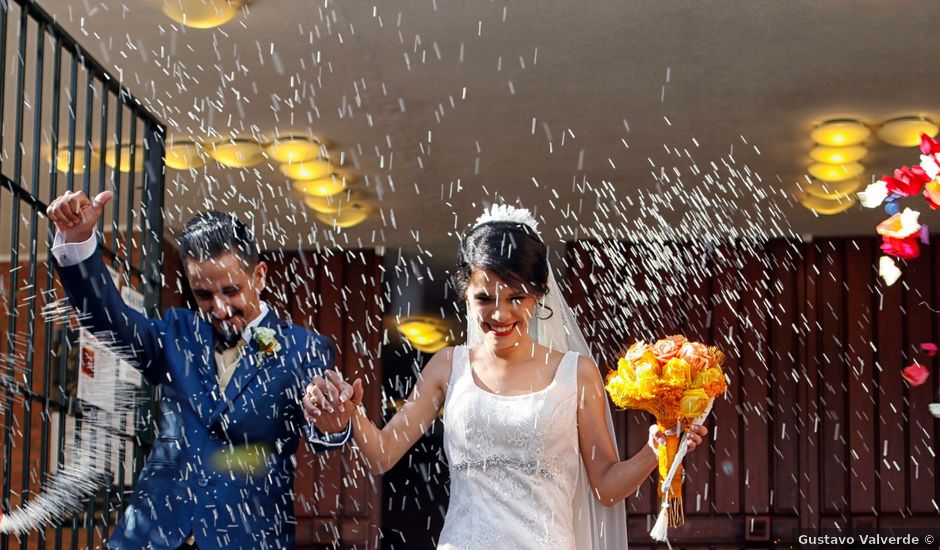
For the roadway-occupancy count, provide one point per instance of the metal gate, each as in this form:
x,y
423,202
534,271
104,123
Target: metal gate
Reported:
x,y
66,124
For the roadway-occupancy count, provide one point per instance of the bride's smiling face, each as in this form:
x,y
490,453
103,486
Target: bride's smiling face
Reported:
x,y
502,312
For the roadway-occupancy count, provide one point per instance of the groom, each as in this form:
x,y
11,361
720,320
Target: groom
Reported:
x,y
231,378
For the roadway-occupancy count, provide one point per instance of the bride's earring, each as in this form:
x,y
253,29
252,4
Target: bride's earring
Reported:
x,y
542,307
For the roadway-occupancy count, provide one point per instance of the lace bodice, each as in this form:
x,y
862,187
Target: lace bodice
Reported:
x,y
514,462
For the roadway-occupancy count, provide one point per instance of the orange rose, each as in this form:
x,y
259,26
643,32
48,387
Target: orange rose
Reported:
x,y
635,352
668,348
696,355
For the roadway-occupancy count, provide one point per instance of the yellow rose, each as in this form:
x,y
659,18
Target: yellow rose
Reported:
x,y
625,370
648,358
693,403
636,351
647,380
676,373
706,377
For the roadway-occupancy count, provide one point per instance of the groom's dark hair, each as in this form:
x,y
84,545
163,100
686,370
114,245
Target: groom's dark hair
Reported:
x,y
210,234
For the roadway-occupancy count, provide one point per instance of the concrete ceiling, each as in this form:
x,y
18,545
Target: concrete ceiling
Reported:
x,y
446,104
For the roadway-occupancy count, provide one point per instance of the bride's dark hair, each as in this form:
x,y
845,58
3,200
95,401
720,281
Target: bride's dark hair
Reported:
x,y
513,251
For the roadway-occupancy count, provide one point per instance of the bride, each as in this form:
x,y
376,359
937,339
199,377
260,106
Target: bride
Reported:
x,y
527,429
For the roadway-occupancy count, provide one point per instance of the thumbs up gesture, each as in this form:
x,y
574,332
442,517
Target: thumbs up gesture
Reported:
x,y
75,215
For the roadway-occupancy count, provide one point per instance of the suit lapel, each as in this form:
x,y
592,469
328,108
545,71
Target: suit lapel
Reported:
x,y
251,363
206,365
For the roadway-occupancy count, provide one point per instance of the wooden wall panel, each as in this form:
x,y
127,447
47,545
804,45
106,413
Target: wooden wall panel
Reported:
x,y
818,428
862,441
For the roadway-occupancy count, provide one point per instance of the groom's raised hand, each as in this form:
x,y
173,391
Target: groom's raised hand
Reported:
x,y
329,402
75,215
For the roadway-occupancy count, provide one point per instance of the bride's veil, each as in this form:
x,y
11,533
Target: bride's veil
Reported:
x,y
597,527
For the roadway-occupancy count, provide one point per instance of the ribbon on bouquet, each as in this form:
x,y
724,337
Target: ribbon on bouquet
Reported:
x,y
671,510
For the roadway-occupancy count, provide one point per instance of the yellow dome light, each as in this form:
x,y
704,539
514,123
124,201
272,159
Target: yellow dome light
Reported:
x,y
201,14
293,149
333,203
110,158
433,347
306,171
237,153
838,155
906,131
840,133
833,190
184,155
418,326
324,187
349,215
836,172
827,207
426,334
62,160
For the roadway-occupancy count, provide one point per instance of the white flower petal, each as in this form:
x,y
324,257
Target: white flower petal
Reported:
x,y
874,194
930,165
888,270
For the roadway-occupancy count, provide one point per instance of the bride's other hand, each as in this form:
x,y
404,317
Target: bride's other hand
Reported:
x,y
656,438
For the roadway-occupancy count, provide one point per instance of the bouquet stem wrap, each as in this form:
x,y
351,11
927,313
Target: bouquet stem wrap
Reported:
x,y
672,495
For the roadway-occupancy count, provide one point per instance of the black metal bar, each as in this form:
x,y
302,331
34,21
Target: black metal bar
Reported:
x,y
116,173
33,266
89,121
73,105
131,207
3,68
103,146
12,315
47,352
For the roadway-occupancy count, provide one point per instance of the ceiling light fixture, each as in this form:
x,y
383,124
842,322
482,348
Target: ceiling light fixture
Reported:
x,y
835,172
293,149
333,203
202,14
306,171
833,190
838,155
906,131
349,215
62,160
184,155
110,158
237,153
827,207
426,334
840,133
334,183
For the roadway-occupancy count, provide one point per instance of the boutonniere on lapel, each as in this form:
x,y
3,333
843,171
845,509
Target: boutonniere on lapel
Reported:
x,y
268,346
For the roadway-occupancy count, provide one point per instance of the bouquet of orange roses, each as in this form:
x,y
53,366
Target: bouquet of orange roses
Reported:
x,y
676,381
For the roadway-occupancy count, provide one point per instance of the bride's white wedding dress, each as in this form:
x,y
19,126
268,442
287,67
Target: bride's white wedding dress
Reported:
x,y
514,462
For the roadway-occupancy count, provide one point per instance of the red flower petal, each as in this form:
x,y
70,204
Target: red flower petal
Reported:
x,y
915,374
929,348
929,145
906,249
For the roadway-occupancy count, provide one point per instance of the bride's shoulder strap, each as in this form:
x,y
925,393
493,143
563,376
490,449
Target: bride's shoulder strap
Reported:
x,y
459,361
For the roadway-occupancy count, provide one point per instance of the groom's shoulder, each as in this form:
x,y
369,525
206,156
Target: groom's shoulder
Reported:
x,y
301,337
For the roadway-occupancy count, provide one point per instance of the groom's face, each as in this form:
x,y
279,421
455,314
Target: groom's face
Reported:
x,y
227,292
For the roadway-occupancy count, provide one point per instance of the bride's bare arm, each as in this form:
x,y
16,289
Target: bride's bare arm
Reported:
x,y
383,448
611,479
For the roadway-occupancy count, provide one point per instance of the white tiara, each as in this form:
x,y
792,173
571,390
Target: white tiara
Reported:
x,y
508,213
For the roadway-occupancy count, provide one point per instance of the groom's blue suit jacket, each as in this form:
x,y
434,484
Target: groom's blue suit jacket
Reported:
x,y
222,465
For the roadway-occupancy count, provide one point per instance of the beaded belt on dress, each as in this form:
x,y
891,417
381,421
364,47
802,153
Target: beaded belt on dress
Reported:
x,y
528,467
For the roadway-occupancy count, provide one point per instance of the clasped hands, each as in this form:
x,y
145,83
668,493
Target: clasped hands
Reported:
x,y
329,402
